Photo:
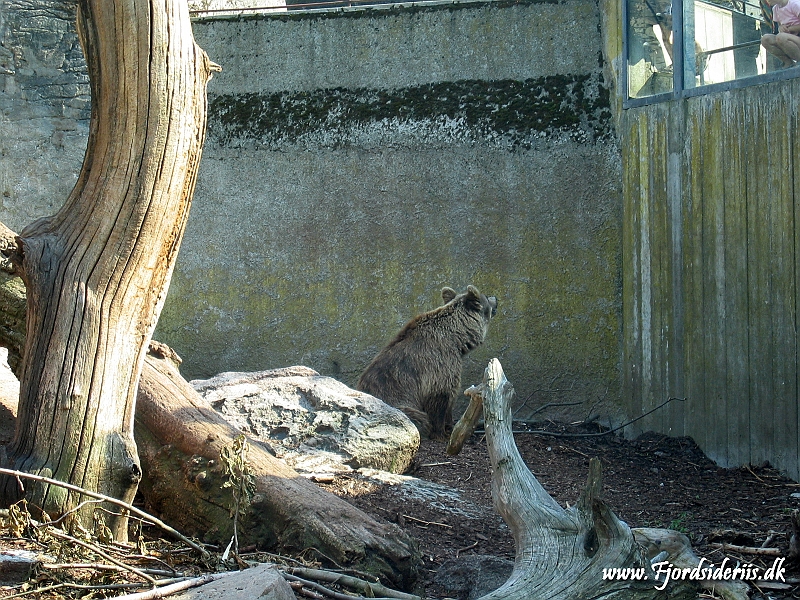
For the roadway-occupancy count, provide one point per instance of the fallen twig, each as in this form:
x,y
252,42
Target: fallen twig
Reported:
x,y
370,589
301,590
168,590
98,551
83,586
102,567
49,588
325,591
600,433
747,549
552,405
575,451
74,488
753,474
426,522
317,587
470,547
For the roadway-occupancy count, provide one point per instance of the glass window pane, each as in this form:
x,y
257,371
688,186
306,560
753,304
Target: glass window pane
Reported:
x,y
649,47
727,41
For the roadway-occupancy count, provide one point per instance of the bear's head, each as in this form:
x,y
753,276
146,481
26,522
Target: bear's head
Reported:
x,y
481,307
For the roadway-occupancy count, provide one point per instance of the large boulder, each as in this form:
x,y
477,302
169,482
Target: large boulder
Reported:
x,y
315,423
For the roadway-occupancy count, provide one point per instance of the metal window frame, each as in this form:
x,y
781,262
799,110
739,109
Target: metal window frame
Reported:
x,y
678,91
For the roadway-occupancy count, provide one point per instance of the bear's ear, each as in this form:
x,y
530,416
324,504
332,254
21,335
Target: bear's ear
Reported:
x,y
448,294
472,299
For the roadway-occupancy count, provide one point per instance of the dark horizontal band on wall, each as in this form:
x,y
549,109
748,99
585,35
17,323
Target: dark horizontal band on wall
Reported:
x,y
513,109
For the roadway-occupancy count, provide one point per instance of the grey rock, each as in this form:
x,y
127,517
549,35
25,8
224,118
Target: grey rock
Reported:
x,y
315,423
473,576
16,566
262,582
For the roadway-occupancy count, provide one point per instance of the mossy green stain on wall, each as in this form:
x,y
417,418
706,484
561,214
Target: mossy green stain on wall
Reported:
x,y
509,108
354,166
336,276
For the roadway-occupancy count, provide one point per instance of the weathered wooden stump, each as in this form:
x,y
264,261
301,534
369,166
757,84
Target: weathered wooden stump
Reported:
x,y
561,553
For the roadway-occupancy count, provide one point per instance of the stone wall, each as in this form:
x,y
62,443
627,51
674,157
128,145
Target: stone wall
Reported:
x,y
358,161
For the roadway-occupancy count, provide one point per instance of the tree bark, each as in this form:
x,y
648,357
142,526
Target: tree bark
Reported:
x,y
97,271
468,422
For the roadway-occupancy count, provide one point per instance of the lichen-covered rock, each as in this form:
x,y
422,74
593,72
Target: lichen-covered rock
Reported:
x,y
315,423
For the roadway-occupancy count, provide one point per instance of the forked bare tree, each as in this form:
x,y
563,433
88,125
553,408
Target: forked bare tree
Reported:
x,y
97,271
561,553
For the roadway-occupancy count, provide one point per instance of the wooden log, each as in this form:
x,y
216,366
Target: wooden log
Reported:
x,y
180,438
679,555
468,421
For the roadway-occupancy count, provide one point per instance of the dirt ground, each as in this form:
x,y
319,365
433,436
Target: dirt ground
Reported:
x,y
652,481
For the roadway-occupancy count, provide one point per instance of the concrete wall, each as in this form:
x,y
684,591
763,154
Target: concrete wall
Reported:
x,y
359,161
44,108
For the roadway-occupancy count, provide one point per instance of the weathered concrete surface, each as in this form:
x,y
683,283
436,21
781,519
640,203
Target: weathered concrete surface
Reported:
x,y
44,108
356,163
233,5
383,49
393,152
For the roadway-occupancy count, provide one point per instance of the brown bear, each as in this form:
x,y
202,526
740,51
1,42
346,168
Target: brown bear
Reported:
x,y
419,372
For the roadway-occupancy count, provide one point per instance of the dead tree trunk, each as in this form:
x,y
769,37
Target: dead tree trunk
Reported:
x,y
560,553
97,271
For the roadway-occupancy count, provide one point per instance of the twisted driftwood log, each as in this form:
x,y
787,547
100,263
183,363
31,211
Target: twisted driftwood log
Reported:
x,y
561,553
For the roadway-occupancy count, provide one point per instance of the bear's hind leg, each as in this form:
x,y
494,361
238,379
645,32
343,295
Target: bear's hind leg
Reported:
x,y
440,412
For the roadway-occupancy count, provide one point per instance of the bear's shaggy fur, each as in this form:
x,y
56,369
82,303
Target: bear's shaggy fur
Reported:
x,y
419,372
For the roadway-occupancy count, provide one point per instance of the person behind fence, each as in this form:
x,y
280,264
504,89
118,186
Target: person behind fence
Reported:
x,y
785,44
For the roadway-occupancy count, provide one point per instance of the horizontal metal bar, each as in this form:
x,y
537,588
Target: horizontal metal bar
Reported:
x,y
734,47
